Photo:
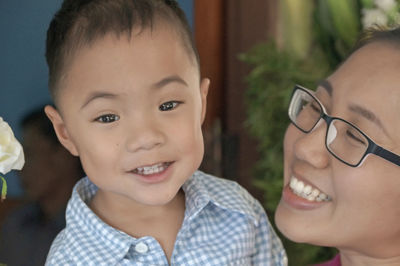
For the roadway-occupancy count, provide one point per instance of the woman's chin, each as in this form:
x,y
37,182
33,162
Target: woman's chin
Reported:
x,y
291,228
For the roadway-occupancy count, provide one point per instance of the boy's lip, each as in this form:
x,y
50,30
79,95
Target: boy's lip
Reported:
x,y
153,173
147,164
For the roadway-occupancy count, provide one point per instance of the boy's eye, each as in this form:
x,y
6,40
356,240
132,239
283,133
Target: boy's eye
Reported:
x,y
167,106
108,118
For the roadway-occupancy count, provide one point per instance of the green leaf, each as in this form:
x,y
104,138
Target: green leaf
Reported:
x,y
367,4
345,17
3,188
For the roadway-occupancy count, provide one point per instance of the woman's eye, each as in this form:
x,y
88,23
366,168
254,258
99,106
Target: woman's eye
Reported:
x,y
354,136
108,118
315,107
167,106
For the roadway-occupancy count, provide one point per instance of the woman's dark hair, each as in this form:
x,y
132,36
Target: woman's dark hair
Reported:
x,y
379,34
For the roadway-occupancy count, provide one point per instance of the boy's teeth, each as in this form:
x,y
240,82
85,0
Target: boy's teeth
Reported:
x,y
152,169
307,191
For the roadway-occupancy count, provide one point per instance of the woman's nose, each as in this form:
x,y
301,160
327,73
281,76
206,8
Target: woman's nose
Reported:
x,y
310,147
144,135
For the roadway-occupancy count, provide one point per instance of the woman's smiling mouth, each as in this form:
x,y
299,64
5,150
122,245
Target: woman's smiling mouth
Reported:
x,y
307,191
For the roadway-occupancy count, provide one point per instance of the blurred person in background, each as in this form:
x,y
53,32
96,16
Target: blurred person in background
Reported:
x,y
48,177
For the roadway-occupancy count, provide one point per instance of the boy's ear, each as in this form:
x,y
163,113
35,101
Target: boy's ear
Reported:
x,y
60,129
204,86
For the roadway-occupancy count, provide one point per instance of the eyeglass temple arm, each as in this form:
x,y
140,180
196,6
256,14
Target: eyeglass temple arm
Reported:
x,y
385,154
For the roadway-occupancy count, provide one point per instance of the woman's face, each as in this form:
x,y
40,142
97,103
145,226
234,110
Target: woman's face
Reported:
x,y
363,212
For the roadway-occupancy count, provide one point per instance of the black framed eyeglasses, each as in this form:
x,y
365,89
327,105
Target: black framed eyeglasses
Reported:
x,y
343,140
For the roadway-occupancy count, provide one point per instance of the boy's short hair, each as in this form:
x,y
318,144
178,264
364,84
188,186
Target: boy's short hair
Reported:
x,y
79,23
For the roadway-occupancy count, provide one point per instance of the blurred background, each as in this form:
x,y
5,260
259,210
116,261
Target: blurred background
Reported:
x,y
253,51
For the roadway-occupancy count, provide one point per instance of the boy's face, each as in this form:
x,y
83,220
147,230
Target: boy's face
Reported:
x,y
132,110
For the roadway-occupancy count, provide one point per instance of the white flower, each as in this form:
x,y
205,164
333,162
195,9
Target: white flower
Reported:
x,y
372,17
386,5
11,153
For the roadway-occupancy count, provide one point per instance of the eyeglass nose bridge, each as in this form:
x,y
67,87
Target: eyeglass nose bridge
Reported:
x,y
327,118
328,137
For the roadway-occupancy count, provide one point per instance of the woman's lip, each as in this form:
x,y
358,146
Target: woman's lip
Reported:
x,y
298,202
302,179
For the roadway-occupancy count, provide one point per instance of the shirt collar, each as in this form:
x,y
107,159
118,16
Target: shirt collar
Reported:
x,y
88,226
202,189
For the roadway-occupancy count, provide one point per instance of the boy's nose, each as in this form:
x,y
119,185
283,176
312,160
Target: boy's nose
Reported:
x,y
310,147
145,135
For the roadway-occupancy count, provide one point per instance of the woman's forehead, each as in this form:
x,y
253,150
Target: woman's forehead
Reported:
x,y
369,79
374,67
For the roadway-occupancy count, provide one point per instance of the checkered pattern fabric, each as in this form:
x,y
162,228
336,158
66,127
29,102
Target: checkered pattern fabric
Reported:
x,y
223,225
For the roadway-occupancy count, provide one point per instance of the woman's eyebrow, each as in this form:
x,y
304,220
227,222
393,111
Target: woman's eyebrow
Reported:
x,y
326,85
369,115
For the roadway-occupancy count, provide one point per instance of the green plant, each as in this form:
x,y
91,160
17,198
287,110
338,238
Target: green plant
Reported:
x,y
270,83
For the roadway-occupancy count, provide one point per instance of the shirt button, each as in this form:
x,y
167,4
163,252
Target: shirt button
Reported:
x,y
285,261
141,248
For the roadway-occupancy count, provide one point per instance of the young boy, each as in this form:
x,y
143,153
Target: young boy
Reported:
x,y
124,76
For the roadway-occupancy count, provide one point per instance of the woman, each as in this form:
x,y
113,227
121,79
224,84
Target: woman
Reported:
x,y
342,163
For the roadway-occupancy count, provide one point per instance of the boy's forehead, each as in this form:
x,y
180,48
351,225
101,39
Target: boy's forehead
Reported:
x,y
158,27
100,53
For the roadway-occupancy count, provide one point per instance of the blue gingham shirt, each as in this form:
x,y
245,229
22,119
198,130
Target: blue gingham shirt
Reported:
x,y
223,225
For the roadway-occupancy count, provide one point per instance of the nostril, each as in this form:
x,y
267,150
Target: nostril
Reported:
x,y
145,142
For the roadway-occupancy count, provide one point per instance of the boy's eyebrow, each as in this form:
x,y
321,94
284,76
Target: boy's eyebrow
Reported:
x,y
159,84
369,115
96,95
169,79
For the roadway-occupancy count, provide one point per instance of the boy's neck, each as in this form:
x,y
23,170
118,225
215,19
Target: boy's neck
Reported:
x,y
106,204
161,222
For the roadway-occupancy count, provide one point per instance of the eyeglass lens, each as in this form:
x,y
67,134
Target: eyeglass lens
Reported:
x,y
343,140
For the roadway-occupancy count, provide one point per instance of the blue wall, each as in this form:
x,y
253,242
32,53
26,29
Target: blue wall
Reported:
x,y
23,69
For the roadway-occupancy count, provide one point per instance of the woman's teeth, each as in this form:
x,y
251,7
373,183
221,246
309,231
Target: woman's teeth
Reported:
x,y
152,169
307,191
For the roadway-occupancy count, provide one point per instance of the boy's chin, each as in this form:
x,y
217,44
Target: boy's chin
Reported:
x,y
153,200
158,202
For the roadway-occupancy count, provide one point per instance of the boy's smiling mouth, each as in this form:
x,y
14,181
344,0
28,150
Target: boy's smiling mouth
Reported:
x,y
152,169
